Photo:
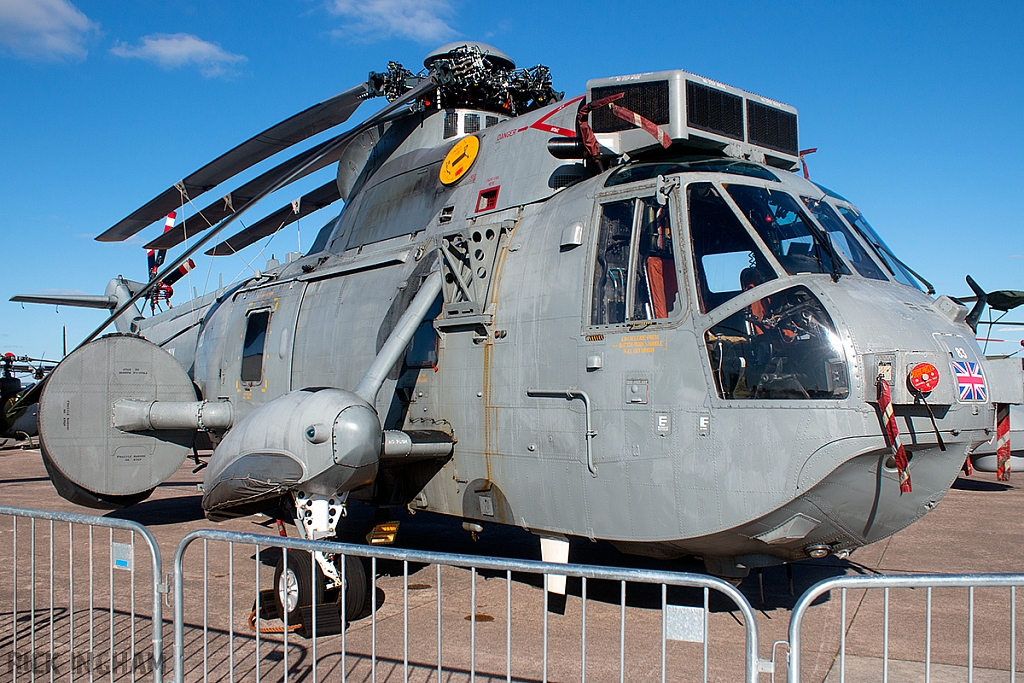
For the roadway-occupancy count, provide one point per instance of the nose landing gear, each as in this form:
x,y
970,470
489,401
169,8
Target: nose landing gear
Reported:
x,y
299,585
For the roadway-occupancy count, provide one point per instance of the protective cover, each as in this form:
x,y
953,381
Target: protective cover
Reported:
x,y
75,425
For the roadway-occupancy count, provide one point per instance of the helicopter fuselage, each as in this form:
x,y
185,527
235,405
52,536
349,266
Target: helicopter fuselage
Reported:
x,y
596,356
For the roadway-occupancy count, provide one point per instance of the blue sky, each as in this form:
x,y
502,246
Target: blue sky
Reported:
x,y
916,108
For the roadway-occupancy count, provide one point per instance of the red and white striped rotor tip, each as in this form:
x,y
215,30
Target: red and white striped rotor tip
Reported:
x,y
169,223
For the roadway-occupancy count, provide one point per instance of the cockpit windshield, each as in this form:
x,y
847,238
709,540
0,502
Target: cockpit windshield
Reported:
x,y
843,239
899,272
780,221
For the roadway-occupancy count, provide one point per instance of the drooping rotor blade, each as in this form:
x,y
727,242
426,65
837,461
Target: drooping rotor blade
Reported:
x,y
323,196
220,209
78,300
397,109
301,126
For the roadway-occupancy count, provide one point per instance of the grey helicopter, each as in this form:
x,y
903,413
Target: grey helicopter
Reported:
x,y
620,316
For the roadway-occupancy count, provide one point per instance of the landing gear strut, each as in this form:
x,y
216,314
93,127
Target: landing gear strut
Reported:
x,y
334,586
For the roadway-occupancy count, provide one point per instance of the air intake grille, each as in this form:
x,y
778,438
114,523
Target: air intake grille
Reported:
x,y
472,123
451,124
650,100
771,128
713,110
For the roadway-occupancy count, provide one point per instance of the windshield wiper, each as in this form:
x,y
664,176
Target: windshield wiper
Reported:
x,y
904,266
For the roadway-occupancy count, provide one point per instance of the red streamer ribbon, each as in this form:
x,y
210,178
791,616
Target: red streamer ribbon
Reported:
x,y
893,434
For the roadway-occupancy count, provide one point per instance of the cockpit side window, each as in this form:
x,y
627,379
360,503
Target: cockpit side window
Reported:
x,y
843,239
726,259
785,228
635,276
252,346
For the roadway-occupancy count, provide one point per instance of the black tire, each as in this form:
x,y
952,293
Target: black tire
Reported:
x,y
352,599
303,581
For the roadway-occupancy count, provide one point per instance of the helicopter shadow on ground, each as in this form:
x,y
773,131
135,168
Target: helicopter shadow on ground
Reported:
x,y
963,484
162,511
437,533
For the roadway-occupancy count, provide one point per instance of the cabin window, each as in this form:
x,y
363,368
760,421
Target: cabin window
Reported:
x,y
252,348
782,346
635,271
842,239
786,229
726,259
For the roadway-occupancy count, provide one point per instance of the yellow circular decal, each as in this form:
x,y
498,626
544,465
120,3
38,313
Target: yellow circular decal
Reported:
x,y
459,159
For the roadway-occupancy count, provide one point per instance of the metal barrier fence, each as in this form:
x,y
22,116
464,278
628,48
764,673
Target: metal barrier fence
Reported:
x,y
69,618
68,611
410,633
918,656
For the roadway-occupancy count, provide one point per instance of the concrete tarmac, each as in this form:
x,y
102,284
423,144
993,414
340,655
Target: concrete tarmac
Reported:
x,y
977,527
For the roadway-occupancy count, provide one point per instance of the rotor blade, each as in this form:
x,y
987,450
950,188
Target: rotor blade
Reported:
x,y
220,209
323,196
335,150
1005,299
78,300
305,124
225,206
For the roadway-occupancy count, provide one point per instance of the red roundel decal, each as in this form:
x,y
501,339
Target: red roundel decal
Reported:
x,y
924,377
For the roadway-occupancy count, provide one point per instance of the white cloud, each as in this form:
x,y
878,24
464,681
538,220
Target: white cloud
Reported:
x,y
173,51
424,21
44,29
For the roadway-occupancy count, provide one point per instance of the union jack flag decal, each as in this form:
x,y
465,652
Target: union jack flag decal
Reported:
x,y
970,381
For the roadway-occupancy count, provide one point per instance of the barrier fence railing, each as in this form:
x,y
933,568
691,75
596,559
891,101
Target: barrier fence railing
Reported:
x,y
72,598
919,656
72,607
473,631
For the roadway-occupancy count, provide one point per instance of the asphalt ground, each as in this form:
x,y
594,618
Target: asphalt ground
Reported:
x,y
64,616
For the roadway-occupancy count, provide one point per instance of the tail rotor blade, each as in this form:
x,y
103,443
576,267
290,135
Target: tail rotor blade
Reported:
x,y
179,272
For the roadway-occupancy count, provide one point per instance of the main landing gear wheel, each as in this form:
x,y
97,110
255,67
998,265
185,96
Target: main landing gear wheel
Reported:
x,y
298,585
352,599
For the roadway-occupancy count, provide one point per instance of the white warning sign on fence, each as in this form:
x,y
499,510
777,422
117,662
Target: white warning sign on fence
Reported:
x,y
121,555
684,623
